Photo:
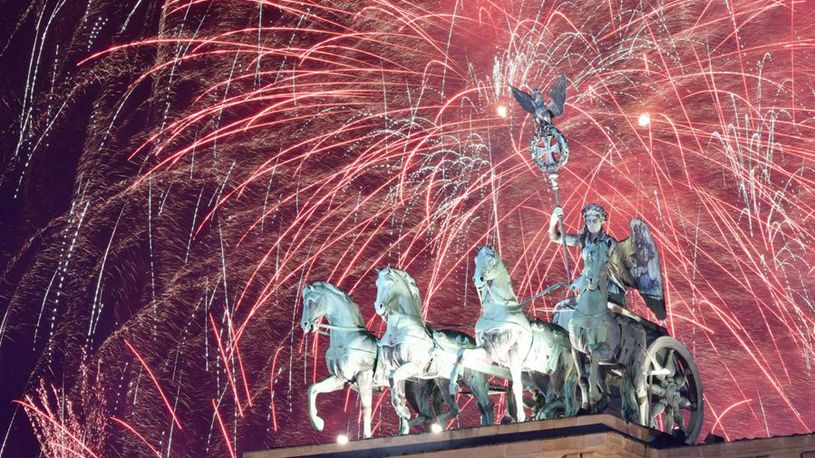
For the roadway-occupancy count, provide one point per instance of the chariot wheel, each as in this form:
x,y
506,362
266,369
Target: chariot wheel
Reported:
x,y
675,403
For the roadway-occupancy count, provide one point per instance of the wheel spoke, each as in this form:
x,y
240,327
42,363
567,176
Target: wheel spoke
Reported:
x,y
680,420
680,379
658,370
657,410
669,419
659,373
670,363
657,390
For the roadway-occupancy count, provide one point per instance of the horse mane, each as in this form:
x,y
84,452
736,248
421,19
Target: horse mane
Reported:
x,y
413,289
352,307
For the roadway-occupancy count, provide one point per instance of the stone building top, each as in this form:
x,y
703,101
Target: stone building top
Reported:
x,y
576,437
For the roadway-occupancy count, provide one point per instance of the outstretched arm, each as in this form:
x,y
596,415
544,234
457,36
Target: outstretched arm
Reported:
x,y
554,232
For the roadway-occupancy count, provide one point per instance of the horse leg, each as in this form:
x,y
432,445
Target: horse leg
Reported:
x,y
421,396
554,397
450,400
628,400
511,408
332,383
560,390
479,385
595,393
398,400
545,394
581,379
365,386
568,375
476,359
518,391
454,374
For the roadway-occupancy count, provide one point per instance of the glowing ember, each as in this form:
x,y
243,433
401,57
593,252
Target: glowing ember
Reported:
x,y
644,120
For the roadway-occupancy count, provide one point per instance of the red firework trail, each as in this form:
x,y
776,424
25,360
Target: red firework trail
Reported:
x,y
156,383
141,438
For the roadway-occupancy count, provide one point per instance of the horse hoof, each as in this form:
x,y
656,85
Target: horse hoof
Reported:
x,y
318,423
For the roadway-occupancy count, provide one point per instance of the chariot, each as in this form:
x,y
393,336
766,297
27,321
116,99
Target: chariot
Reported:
x,y
674,386
594,342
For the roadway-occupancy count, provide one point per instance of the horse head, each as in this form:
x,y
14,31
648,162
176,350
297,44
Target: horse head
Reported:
x,y
393,285
314,306
486,265
322,299
595,268
385,285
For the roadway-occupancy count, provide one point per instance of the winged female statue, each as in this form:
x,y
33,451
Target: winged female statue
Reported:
x,y
634,261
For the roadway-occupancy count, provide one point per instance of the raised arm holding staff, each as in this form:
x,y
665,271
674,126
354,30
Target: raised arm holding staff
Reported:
x,y
549,148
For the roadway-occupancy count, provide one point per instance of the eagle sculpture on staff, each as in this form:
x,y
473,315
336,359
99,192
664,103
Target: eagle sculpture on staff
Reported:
x,y
534,104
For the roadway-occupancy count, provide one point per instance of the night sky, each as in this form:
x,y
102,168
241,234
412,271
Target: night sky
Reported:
x,y
173,173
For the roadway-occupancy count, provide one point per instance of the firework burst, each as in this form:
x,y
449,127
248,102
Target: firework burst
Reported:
x,y
177,171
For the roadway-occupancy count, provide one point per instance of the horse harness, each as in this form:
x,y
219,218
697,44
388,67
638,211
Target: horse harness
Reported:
x,y
532,327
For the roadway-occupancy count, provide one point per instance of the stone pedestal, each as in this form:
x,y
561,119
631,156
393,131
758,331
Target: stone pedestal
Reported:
x,y
590,436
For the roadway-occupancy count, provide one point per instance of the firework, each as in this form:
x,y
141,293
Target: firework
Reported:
x,y
176,171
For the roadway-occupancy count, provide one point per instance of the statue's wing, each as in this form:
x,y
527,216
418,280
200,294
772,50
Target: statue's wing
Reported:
x,y
558,95
523,98
635,263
